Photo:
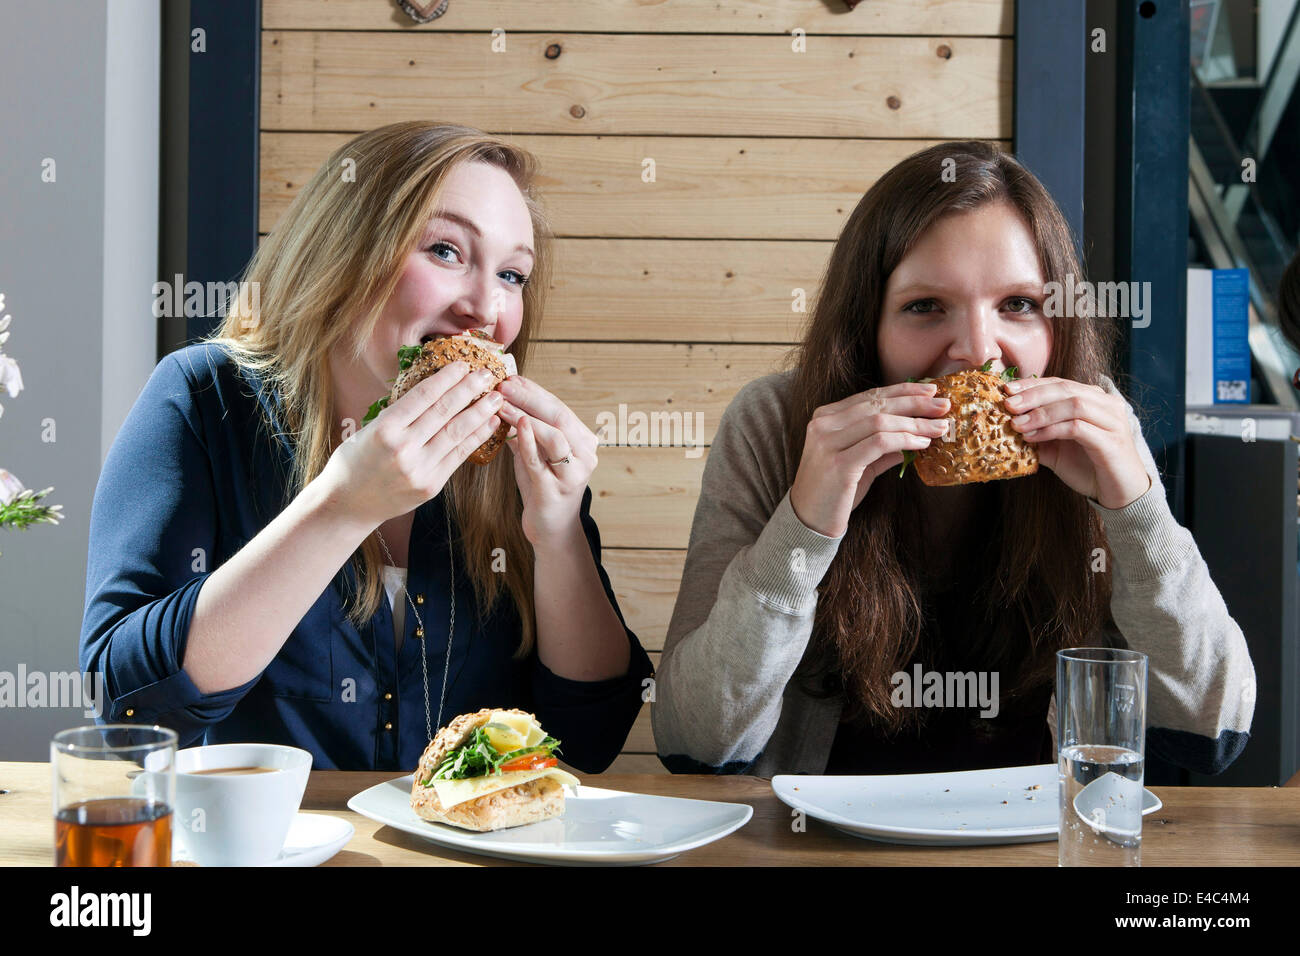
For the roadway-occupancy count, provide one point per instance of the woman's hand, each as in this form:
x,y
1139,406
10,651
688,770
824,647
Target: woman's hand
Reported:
x,y
1082,433
405,456
849,442
546,432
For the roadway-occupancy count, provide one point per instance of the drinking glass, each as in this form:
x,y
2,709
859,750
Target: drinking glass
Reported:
x,y
114,790
1101,696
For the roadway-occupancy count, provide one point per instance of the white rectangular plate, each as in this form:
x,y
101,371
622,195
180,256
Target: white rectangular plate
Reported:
x,y
937,809
599,827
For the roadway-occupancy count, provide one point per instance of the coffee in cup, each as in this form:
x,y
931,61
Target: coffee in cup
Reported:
x,y
217,771
235,802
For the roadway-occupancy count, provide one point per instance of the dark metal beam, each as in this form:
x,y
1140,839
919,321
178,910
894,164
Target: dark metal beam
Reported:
x,y
221,233
1051,43
1152,219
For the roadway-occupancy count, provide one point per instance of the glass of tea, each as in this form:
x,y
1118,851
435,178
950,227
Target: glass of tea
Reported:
x,y
114,789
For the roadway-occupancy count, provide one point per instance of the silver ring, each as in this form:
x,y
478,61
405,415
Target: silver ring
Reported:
x,y
562,461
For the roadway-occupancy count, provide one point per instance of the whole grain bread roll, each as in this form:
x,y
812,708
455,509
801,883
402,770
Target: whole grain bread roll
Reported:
x,y
530,802
981,444
441,352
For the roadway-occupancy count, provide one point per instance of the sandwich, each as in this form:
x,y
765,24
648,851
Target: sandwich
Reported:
x,y
490,770
980,444
475,347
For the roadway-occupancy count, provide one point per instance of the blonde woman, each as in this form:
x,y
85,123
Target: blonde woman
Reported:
x,y
263,567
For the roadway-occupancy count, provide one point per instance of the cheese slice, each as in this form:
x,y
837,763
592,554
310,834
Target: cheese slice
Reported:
x,y
529,730
534,736
452,792
516,722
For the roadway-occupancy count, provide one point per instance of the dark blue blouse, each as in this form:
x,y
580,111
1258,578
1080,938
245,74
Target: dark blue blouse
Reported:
x,y
192,476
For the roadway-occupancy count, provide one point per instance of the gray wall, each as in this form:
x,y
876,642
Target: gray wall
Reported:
x,y
78,257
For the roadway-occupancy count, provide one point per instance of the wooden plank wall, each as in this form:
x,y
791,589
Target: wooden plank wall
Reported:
x,y
668,295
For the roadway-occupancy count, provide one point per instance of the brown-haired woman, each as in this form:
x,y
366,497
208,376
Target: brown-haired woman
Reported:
x,y
246,527
817,579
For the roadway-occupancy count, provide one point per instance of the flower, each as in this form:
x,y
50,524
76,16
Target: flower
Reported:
x,y
11,379
9,487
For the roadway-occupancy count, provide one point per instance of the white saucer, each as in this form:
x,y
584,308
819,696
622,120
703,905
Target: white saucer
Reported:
x,y
313,838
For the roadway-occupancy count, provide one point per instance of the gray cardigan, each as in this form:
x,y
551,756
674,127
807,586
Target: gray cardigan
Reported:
x,y
725,698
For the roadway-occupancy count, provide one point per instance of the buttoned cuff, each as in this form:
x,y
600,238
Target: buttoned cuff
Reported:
x,y
151,642
175,692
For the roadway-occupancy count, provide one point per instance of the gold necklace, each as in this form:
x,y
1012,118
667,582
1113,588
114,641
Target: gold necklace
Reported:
x,y
451,626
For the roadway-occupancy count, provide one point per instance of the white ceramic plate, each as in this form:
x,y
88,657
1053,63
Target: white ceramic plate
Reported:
x,y
313,838
937,809
599,827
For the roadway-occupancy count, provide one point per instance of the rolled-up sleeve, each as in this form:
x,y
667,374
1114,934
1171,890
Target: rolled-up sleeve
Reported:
x,y
592,719
153,541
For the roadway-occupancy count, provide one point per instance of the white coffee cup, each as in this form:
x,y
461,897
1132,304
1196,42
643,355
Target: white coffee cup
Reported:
x,y
237,819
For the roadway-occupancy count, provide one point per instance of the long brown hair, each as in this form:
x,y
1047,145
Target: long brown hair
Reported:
x,y
1030,577
324,274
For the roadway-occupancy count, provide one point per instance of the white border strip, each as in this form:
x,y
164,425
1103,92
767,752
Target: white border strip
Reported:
x,y
132,65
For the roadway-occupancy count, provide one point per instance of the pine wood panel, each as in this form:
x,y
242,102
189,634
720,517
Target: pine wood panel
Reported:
x,y
646,584
645,497
957,17
683,290
705,188
676,393
641,738
641,84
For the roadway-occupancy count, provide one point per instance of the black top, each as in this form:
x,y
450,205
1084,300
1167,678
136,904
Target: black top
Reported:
x,y
951,740
192,476
953,736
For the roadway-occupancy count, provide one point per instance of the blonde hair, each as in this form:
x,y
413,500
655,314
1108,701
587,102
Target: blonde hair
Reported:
x,y
323,277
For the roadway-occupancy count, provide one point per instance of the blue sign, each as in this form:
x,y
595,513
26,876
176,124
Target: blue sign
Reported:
x,y
1231,336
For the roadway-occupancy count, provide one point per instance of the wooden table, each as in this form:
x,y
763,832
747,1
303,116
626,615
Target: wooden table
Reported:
x,y
1198,826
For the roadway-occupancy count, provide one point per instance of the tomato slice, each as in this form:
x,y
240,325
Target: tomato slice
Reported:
x,y
529,762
